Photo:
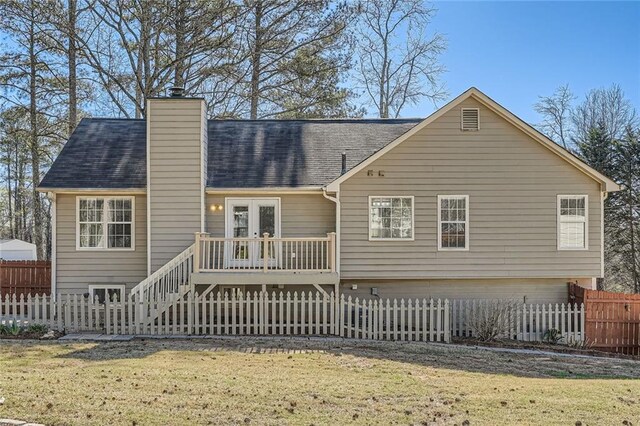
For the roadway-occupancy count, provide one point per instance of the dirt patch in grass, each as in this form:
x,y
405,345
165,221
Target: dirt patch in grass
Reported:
x,y
308,381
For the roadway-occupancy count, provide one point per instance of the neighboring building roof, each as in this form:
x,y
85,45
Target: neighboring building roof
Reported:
x,y
607,184
15,242
111,153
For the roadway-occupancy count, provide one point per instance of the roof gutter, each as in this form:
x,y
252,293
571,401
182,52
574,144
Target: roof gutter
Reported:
x,y
92,190
267,190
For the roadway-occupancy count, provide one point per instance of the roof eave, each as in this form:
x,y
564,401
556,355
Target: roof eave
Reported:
x,y
59,190
266,189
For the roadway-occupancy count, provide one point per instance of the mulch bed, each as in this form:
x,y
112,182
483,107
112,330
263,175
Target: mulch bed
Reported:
x,y
31,336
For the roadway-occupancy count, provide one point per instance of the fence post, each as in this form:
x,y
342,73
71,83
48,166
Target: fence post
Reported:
x,y
447,329
189,312
583,334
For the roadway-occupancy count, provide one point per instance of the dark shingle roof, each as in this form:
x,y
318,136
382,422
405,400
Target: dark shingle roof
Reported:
x,y
111,153
102,154
290,153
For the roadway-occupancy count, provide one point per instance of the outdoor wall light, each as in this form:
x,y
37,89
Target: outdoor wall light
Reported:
x,y
216,207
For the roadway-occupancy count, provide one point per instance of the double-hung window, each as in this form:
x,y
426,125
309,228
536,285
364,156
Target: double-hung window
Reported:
x,y
572,222
453,222
105,223
390,218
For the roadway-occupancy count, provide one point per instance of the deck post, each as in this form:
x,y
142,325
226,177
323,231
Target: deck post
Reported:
x,y
265,252
196,254
332,251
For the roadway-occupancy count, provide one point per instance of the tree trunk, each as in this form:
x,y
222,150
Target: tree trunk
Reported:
x,y
178,76
73,86
10,194
35,151
384,81
255,62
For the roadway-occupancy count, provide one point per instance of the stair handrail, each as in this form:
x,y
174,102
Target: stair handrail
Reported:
x,y
185,258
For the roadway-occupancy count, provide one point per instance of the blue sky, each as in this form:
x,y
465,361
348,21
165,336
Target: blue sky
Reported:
x,y
516,51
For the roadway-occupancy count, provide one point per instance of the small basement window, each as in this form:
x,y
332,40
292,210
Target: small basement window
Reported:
x,y
114,292
470,119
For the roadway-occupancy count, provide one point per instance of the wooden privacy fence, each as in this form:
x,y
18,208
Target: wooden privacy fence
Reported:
x,y
240,314
25,277
525,322
612,321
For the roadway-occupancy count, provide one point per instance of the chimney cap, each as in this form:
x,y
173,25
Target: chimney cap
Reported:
x,y
176,92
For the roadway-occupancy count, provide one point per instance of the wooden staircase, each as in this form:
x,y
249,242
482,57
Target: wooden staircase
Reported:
x,y
169,283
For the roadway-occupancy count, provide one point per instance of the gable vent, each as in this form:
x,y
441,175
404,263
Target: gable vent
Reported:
x,y
470,119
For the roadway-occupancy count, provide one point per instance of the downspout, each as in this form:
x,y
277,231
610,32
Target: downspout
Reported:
x,y
336,200
604,196
54,244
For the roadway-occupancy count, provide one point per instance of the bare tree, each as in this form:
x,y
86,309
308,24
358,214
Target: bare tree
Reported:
x,y
608,106
556,114
33,86
398,58
279,34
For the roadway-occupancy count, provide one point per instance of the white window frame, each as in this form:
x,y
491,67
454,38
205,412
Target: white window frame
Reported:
x,y
586,221
413,221
462,110
105,222
106,287
466,222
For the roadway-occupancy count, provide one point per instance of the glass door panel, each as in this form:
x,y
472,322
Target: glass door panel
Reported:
x,y
248,220
266,223
238,253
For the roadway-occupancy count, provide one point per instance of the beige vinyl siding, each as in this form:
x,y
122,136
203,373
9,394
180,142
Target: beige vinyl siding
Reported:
x,y
512,182
175,179
532,290
76,269
303,215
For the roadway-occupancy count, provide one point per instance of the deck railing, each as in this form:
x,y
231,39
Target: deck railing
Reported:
x,y
266,254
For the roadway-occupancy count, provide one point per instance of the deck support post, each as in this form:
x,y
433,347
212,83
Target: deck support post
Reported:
x,y
332,251
265,252
196,254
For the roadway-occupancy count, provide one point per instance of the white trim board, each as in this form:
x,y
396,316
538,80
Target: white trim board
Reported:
x,y
607,184
136,191
266,191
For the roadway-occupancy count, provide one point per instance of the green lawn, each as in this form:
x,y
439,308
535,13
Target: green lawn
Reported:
x,y
283,381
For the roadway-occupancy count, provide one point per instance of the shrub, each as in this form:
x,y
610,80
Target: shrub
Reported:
x,y
552,336
579,344
492,319
15,329
4,330
37,329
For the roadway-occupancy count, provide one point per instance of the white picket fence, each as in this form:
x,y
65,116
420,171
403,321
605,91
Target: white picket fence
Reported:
x,y
526,322
304,313
242,314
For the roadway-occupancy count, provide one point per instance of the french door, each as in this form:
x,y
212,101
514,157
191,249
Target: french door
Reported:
x,y
247,220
